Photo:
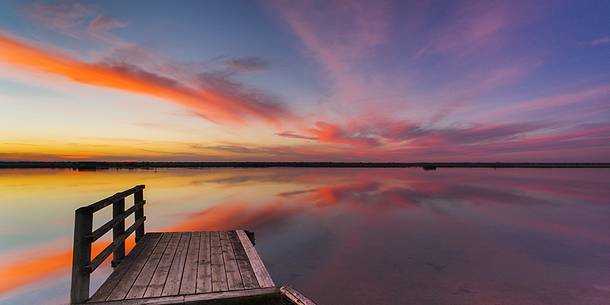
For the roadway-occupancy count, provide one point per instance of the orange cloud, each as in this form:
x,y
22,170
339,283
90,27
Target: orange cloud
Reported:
x,y
224,104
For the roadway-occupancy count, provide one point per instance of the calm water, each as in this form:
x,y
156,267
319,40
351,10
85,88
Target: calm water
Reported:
x,y
343,236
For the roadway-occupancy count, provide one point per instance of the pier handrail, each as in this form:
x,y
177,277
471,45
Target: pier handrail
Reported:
x,y
84,236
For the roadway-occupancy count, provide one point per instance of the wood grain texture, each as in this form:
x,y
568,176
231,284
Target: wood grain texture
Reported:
x,y
234,281
174,277
143,247
245,269
188,284
262,295
219,276
179,267
154,288
296,297
139,264
141,283
261,273
204,264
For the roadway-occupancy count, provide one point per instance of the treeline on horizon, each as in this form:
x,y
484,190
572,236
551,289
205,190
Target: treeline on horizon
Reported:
x,y
84,165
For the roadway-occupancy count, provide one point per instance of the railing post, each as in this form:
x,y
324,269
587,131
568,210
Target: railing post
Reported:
x,y
118,208
138,199
83,226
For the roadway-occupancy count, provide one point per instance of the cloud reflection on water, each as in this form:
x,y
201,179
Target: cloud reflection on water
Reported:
x,y
358,235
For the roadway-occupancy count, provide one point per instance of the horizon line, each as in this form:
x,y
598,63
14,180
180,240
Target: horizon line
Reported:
x,y
84,165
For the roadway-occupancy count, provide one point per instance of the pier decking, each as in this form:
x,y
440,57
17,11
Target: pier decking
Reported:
x,y
170,267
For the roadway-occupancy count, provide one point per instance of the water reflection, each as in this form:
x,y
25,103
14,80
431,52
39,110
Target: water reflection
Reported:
x,y
343,236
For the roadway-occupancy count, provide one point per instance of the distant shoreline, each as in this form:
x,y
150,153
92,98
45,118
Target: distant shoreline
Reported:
x,y
95,165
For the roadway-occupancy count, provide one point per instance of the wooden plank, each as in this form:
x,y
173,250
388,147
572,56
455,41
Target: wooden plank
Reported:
x,y
138,202
219,276
146,244
224,297
81,256
107,201
116,243
204,267
231,297
174,277
188,285
234,281
154,287
103,229
175,300
247,275
295,296
261,273
118,208
245,269
147,261
240,254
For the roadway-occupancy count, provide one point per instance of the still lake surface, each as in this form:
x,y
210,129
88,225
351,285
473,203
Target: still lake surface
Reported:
x,y
342,236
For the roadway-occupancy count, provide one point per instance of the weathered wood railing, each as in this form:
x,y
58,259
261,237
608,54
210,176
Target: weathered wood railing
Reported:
x,y
84,236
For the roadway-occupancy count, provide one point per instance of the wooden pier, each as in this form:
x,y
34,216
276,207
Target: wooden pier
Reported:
x,y
170,267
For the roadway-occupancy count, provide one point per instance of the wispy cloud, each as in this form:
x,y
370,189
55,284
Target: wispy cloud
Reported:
x,y
601,41
339,35
294,135
379,132
210,93
399,80
74,19
332,133
215,98
67,18
106,23
552,101
247,64
472,25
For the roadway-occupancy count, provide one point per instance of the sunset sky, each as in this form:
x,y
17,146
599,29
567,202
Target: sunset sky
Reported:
x,y
305,80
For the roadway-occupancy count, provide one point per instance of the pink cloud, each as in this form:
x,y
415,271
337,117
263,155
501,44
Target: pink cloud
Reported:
x,y
378,131
399,140
331,133
345,36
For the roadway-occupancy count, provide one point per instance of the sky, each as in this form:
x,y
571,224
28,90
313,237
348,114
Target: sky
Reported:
x,y
305,80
